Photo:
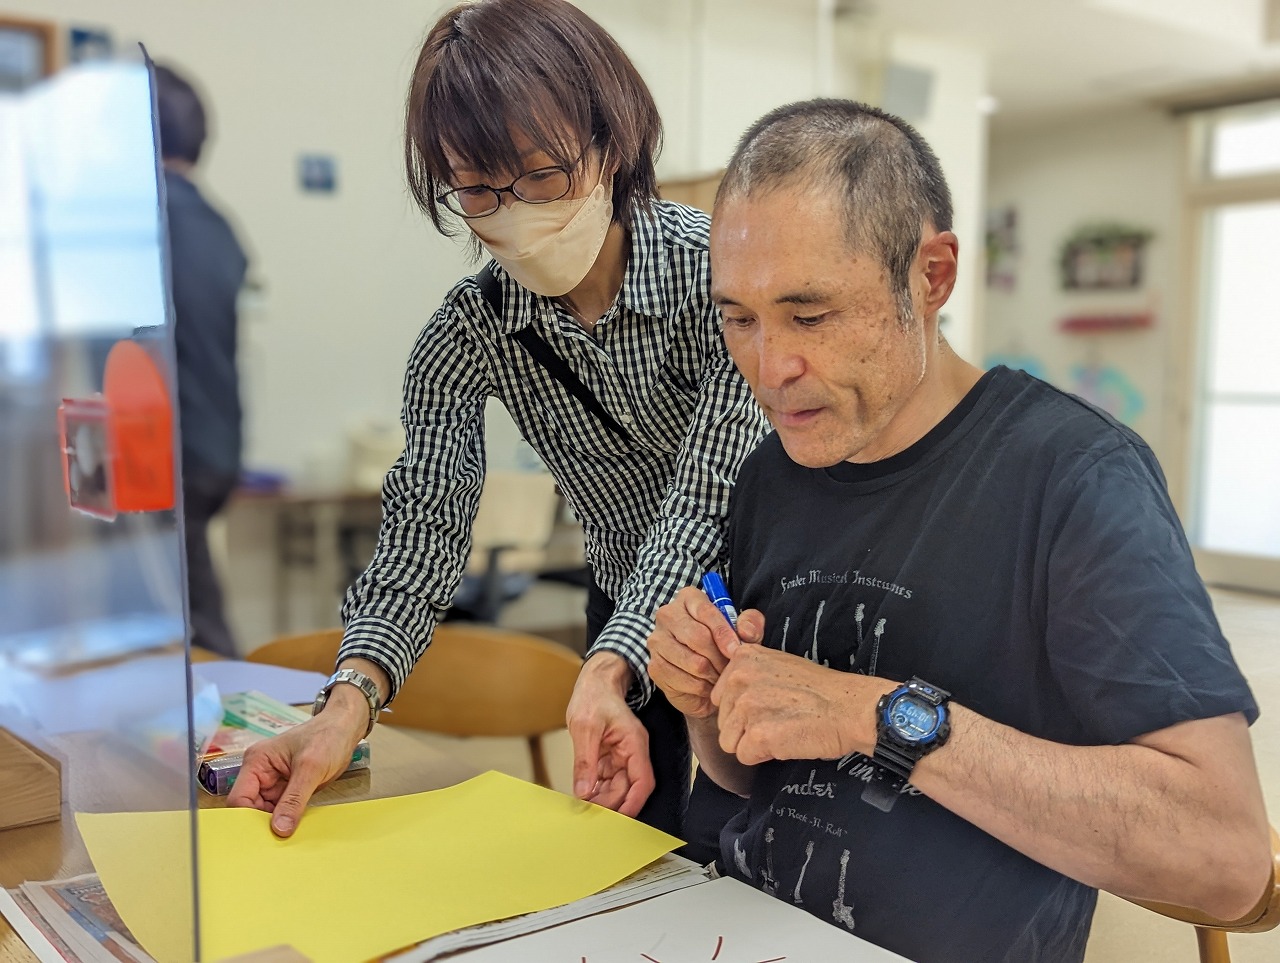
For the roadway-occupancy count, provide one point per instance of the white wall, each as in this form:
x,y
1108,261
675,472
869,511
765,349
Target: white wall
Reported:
x,y
714,67
957,131
759,54
1121,167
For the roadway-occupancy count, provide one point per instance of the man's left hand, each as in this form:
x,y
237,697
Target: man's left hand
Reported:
x,y
774,705
611,764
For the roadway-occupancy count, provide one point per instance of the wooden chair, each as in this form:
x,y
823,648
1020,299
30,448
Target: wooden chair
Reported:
x,y
474,680
1211,933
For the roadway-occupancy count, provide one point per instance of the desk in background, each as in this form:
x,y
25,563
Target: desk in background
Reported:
x,y
320,541
324,536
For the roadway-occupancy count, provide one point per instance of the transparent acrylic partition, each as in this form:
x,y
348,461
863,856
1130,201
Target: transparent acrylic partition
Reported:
x,y
94,663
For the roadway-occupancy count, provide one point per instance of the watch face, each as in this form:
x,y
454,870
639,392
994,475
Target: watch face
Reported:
x,y
911,719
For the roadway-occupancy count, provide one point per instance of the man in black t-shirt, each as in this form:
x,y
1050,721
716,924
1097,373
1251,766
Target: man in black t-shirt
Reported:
x,y
1074,718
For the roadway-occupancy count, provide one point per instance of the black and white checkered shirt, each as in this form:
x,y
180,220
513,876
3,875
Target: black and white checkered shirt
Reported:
x,y
653,509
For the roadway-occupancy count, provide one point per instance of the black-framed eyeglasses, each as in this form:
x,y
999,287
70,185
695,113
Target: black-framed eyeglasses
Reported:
x,y
542,186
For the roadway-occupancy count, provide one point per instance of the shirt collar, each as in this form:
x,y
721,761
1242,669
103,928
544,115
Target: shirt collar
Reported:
x,y
644,282
644,285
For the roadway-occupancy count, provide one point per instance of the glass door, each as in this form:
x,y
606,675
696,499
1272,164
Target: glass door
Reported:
x,y
1235,465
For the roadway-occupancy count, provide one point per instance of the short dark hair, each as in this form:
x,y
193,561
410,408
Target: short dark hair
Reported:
x,y
181,116
542,67
888,176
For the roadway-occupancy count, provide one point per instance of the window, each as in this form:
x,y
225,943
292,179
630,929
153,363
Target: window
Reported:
x,y
1244,141
1234,519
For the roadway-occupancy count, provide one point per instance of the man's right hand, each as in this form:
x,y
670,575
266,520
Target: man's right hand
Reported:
x,y
280,775
690,646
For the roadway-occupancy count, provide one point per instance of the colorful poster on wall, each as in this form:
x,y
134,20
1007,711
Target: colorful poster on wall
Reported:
x,y
1103,257
1108,388
1002,248
1018,361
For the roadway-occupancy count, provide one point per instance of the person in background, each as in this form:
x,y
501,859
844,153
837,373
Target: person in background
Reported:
x,y
530,132
207,268
976,676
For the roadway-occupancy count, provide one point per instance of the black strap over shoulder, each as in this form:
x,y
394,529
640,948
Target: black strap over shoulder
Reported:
x,y
490,289
541,352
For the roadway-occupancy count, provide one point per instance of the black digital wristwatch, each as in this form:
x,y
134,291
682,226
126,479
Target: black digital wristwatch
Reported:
x,y
911,722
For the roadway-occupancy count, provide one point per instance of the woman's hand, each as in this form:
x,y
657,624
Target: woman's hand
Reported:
x,y
281,774
611,764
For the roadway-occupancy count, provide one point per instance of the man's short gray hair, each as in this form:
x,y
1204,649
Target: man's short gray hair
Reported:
x,y
887,175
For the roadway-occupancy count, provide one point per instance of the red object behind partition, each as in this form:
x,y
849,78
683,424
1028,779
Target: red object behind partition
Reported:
x,y
118,446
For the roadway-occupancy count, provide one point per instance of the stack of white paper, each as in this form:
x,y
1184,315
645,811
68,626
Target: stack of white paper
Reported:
x,y
723,921
664,875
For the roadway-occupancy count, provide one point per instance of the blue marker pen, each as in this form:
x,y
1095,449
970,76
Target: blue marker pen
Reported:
x,y
713,585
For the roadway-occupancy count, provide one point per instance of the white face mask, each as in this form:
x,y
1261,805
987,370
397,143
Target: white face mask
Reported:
x,y
549,248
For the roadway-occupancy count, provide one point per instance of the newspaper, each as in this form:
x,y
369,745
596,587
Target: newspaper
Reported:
x,y
81,925
56,948
77,918
664,875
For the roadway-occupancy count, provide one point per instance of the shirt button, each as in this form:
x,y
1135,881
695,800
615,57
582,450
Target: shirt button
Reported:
x,y
627,419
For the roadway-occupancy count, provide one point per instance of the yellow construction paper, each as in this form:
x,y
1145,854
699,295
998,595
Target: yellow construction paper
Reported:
x,y
357,880
151,855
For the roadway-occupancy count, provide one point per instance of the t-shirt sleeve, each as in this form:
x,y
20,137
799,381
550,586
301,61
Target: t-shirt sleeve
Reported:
x,y
1132,637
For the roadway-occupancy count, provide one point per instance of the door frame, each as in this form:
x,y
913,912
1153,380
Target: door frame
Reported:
x,y
1186,364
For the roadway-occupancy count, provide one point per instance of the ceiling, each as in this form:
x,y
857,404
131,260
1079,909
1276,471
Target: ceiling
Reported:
x,y
1048,57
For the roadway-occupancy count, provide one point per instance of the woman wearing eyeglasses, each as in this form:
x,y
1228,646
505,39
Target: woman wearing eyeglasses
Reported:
x,y
529,129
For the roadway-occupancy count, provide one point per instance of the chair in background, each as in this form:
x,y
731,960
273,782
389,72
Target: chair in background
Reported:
x,y
474,680
1211,934
513,526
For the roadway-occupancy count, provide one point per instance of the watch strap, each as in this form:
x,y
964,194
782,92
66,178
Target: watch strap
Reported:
x,y
364,683
882,788
897,759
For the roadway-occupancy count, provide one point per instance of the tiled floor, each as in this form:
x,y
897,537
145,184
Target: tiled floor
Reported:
x,y
1122,932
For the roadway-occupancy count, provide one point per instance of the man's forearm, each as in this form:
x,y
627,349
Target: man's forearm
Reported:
x,y
1168,819
1175,815
723,768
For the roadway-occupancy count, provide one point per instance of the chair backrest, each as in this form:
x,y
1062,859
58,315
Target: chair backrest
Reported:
x,y
1211,933
474,680
517,513
313,652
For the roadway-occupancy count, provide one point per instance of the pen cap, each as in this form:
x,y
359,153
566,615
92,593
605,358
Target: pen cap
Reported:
x,y
714,586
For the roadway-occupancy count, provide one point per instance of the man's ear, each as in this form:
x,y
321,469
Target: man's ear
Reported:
x,y
939,261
